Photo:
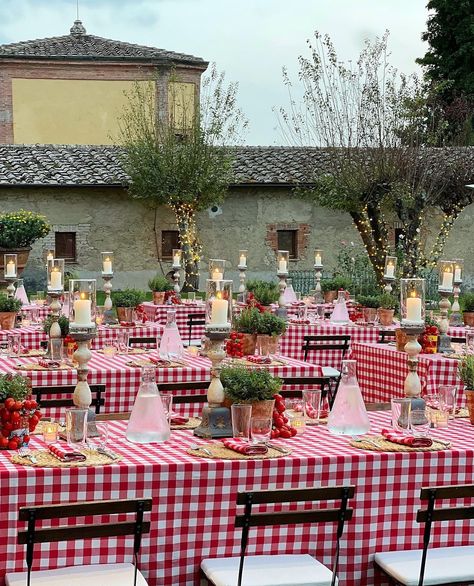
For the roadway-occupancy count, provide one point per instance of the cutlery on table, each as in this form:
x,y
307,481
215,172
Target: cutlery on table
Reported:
x,y
26,453
197,447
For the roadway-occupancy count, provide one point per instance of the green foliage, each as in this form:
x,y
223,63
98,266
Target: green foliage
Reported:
x,y
63,324
265,292
128,298
247,321
353,262
369,301
338,282
388,301
245,385
20,229
159,283
9,304
271,324
466,371
16,386
467,301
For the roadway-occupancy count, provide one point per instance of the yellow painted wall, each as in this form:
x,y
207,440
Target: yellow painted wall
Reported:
x,y
61,111
181,103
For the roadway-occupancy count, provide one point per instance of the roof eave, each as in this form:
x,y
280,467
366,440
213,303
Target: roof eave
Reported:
x,y
201,64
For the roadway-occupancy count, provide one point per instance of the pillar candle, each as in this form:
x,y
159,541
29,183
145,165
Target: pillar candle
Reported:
x,y
447,282
242,260
219,312
50,256
56,280
390,272
82,312
217,275
176,260
317,260
107,266
11,269
282,266
414,309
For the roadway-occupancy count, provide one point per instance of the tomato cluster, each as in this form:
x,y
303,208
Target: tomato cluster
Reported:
x,y
281,426
17,420
252,302
234,345
429,340
172,298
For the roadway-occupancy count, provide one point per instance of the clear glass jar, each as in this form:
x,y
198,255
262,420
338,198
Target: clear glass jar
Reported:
x,y
171,345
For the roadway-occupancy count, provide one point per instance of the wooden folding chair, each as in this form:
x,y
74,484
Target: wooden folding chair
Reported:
x,y
442,565
292,570
103,574
39,392
195,319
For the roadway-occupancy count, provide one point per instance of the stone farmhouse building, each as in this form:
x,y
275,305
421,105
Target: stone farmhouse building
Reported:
x,y
60,101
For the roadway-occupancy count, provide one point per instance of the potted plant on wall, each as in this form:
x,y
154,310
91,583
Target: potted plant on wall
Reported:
x,y
159,285
18,231
126,302
467,305
387,306
466,372
9,307
330,287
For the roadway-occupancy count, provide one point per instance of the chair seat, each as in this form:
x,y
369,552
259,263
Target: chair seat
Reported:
x,y
331,372
444,565
268,570
103,574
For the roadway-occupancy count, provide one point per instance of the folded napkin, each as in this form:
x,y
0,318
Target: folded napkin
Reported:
x,y
300,321
243,447
66,453
127,324
45,363
178,420
406,440
259,359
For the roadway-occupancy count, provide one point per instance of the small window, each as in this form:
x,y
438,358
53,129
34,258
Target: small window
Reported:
x,y
65,245
287,240
169,240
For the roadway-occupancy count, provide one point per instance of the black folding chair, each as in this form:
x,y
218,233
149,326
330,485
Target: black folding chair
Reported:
x,y
386,336
194,319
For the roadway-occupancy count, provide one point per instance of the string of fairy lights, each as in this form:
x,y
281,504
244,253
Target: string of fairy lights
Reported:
x,y
186,214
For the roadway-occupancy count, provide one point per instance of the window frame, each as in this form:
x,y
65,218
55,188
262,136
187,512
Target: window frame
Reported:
x,y
57,248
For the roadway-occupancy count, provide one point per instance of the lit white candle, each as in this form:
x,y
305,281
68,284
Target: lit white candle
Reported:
x,y
11,269
282,265
82,311
317,260
447,282
176,260
50,256
219,310
217,275
414,309
56,280
242,260
457,274
107,266
390,271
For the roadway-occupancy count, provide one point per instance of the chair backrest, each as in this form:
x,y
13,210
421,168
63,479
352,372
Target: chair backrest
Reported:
x,y
451,513
97,400
323,382
68,532
195,319
386,336
324,342
337,515
142,340
187,386
458,339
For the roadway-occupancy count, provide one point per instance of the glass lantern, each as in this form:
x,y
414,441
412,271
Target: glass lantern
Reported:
x,y
446,275
283,259
318,258
48,254
107,263
82,304
55,274
242,259
177,256
458,269
10,268
390,269
216,269
412,302
218,305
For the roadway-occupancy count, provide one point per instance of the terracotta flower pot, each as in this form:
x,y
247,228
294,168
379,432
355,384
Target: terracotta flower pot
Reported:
x,y
401,339
22,259
468,318
370,314
386,316
7,320
330,296
125,313
249,342
158,297
470,404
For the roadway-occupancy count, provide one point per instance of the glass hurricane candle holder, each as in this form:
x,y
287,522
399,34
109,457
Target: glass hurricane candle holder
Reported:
x,y
218,305
242,259
412,302
177,256
10,267
55,274
458,270
318,258
390,269
282,262
107,263
216,269
48,254
82,304
446,275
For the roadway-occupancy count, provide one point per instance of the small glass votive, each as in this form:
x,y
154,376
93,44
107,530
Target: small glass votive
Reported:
x,y
50,431
193,350
110,348
439,418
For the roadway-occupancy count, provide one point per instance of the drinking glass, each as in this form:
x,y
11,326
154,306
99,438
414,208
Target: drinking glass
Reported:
x,y
34,314
103,431
76,426
447,398
14,345
312,406
109,348
260,429
301,312
56,349
298,295
121,341
296,416
192,296
167,401
262,346
241,414
420,420
469,341
401,409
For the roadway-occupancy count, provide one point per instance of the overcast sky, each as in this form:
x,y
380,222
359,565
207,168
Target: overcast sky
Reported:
x,y
249,39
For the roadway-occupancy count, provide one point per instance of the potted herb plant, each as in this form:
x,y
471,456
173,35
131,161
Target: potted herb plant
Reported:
x,y
467,305
262,293
246,323
9,307
159,285
387,306
330,287
251,385
466,373
19,414
370,305
270,328
126,301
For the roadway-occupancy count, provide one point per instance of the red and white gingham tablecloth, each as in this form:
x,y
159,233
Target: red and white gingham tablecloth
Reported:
x,y
194,502
158,313
382,369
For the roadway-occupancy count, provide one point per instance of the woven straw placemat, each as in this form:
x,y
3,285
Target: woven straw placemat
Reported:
x,y
45,459
128,352
31,353
220,451
144,362
377,443
244,362
191,424
35,366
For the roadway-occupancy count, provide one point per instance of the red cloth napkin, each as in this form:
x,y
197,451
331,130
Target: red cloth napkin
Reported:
x,y
159,361
178,420
259,359
406,440
127,324
49,363
66,453
243,447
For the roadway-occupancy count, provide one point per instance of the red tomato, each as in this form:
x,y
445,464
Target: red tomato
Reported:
x,y
27,405
38,414
293,431
13,444
7,427
280,407
26,439
279,422
3,443
233,335
18,405
278,397
275,433
15,417
34,404
285,433
9,403
5,415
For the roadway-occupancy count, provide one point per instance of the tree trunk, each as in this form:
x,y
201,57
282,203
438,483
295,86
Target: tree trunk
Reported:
x,y
374,250
186,220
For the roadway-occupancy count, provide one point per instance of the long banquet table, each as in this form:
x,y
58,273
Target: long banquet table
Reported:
x,y
158,313
194,502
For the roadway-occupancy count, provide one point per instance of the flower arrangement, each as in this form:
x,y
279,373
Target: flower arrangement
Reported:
x,y
19,415
20,229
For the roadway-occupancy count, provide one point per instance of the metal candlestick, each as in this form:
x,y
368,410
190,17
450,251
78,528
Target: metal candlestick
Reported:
x,y
318,297
216,421
444,341
109,317
11,285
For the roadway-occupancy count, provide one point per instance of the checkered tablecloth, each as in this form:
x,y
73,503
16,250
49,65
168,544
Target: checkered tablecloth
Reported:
x,y
158,313
122,381
381,371
194,502
32,336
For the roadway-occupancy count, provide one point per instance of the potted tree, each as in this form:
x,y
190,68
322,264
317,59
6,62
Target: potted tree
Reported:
x,y
467,304
370,305
9,307
159,285
466,372
330,287
125,302
251,385
387,306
